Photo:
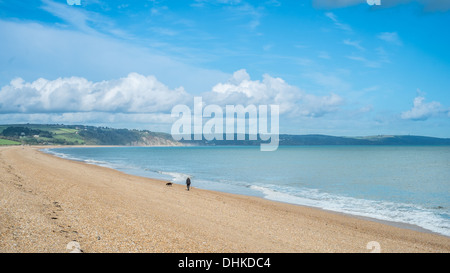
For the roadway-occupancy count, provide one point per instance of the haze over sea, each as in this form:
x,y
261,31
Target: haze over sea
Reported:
x,y
403,184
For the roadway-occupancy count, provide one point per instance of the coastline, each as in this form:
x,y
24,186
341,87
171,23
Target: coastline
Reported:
x,y
49,201
394,223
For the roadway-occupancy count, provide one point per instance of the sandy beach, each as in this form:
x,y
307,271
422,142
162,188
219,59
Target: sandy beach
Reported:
x,y
47,202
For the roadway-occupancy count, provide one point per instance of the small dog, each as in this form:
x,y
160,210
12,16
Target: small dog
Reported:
x,y
169,184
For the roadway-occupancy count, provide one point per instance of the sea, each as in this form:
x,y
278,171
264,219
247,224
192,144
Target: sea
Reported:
x,y
407,185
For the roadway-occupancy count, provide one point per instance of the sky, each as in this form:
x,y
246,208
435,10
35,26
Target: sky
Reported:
x,y
343,68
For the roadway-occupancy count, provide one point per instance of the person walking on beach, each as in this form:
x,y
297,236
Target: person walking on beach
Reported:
x,y
188,183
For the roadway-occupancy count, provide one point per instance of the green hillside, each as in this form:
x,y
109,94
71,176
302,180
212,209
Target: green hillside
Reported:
x,y
55,134
8,142
304,140
58,134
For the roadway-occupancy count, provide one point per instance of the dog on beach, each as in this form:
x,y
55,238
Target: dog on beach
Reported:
x,y
169,184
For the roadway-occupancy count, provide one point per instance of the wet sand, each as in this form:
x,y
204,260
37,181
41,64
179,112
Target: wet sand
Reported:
x,y
47,202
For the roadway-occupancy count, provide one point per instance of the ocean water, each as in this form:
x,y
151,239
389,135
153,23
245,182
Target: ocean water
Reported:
x,y
403,184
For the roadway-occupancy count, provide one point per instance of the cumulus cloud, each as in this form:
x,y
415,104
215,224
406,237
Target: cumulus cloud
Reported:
x,y
138,99
423,110
315,106
132,94
240,89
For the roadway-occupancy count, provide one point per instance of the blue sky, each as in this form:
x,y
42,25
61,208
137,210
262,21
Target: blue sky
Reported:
x,y
334,67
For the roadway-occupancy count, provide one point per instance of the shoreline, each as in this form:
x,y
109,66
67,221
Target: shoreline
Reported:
x,y
368,218
138,214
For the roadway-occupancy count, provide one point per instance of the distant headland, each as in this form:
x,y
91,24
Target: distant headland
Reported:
x,y
59,134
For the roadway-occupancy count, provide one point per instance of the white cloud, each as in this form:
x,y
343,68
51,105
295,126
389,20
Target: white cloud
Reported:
x,y
382,57
315,106
80,19
365,61
137,93
164,31
424,110
355,44
33,50
390,37
138,101
338,23
240,89
238,10
133,94
324,55
329,81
